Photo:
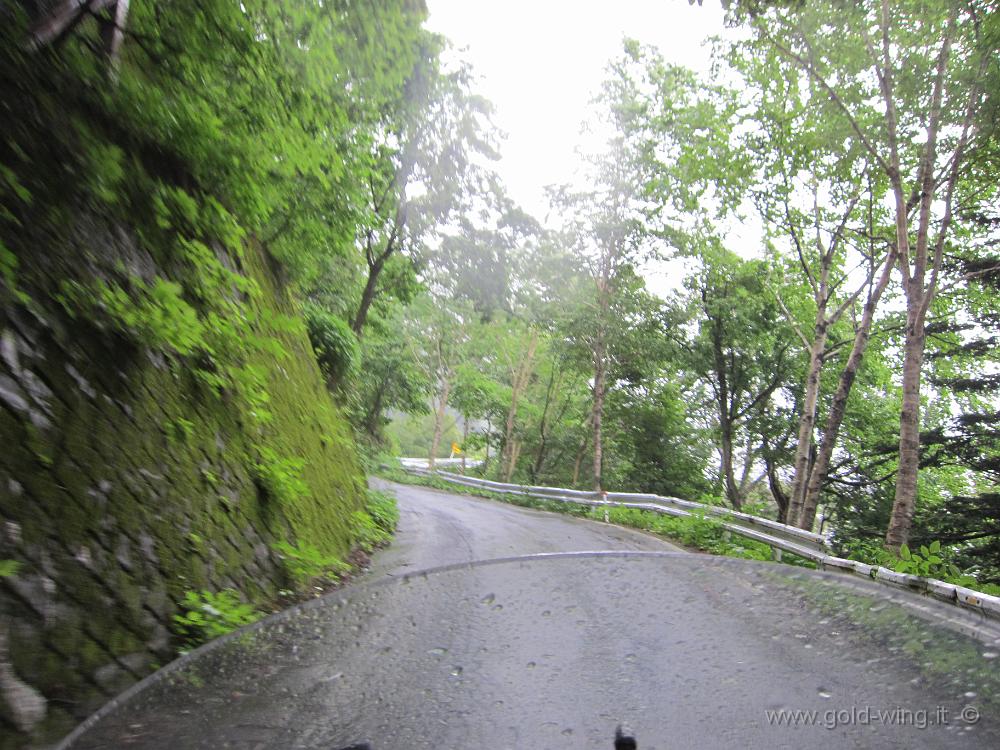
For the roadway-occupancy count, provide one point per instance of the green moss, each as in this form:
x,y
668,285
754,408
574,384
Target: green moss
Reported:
x,y
153,454
88,655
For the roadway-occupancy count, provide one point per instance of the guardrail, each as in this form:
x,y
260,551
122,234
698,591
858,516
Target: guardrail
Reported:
x,y
421,463
778,536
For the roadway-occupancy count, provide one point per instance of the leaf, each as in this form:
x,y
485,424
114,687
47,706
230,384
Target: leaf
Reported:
x,y
9,568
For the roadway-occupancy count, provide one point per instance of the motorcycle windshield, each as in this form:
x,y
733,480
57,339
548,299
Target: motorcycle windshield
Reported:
x,y
555,651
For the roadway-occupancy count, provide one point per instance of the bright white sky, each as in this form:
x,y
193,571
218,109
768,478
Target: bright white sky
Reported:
x,y
542,61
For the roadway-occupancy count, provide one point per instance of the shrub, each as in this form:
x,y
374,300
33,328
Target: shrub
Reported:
x,y
308,566
333,341
365,532
383,510
9,568
206,615
281,476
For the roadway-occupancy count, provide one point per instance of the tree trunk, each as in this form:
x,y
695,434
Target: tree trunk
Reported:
x,y
368,295
777,491
486,442
519,382
579,458
838,407
807,421
465,438
725,415
597,418
375,412
536,467
515,453
915,262
728,475
909,436
439,421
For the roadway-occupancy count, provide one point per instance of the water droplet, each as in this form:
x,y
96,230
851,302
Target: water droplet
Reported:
x,y
547,613
488,599
496,607
824,693
630,657
456,671
531,665
567,732
438,651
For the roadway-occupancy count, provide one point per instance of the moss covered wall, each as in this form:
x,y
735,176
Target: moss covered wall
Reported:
x,y
125,482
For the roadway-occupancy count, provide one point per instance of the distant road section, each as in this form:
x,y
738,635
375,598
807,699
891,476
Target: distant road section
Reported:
x,y
440,528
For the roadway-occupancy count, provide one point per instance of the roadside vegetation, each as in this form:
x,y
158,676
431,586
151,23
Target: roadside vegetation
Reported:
x,y
205,615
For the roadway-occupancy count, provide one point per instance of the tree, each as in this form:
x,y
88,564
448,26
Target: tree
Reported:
x,y
426,166
819,201
387,376
741,352
438,331
806,129
604,230
925,67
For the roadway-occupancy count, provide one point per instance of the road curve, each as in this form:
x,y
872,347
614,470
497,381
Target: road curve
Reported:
x,y
690,652
441,528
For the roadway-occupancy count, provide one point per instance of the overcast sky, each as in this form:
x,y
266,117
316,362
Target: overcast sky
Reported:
x,y
542,61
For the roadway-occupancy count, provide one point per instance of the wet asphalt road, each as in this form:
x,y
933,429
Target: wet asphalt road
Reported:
x,y
689,651
440,528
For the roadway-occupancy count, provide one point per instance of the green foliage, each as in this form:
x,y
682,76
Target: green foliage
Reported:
x,y
384,511
365,532
927,563
388,376
699,530
180,429
281,476
334,342
156,314
308,566
9,568
206,615
932,560
413,434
